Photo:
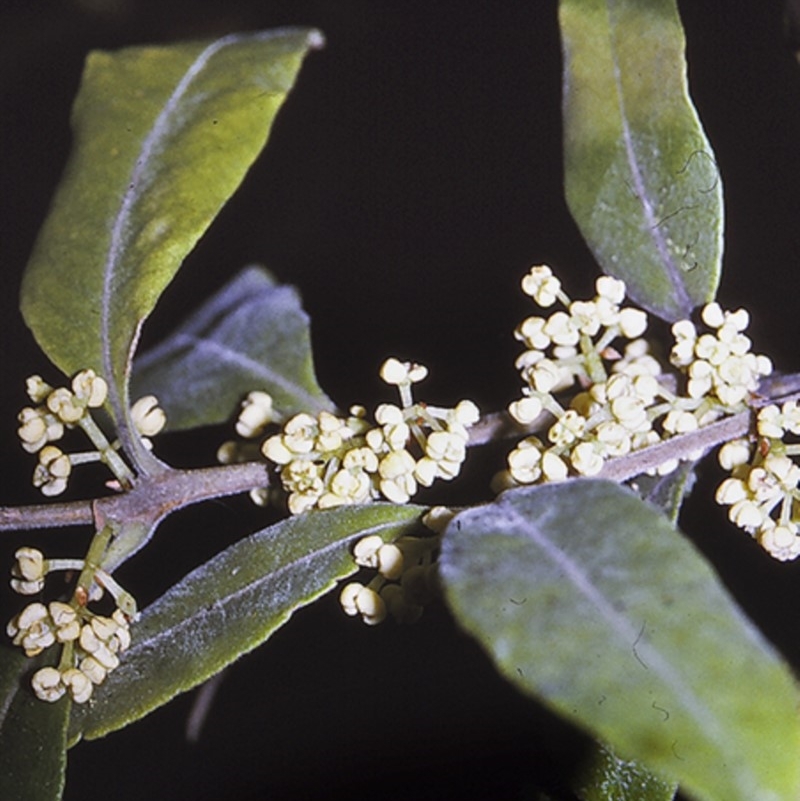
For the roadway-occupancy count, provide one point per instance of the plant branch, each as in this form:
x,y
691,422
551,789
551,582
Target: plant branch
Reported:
x,y
154,497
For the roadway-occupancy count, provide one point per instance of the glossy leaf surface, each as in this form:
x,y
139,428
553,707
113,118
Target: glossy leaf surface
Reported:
x,y
589,599
230,605
641,179
33,751
252,334
162,138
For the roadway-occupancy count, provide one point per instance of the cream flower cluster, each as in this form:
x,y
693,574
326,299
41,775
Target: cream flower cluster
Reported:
x,y
406,577
589,368
90,643
762,492
45,423
327,461
64,408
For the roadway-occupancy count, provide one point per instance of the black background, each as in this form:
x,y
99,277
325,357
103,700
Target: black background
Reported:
x,y
411,179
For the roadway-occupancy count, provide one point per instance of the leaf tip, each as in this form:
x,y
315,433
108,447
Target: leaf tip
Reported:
x,y
315,39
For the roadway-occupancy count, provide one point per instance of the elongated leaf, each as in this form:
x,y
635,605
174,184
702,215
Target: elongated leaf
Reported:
x,y
229,606
606,777
588,598
641,180
253,334
33,750
162,137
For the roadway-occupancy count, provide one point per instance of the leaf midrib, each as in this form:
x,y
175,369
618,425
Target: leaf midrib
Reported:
x,y
623,628
680,295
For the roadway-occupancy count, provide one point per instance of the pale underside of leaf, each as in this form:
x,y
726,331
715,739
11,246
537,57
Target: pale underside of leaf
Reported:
x,y
641,179
230,605
588,598
251,335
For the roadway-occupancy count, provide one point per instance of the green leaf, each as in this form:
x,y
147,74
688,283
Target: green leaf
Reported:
x,y
163,136
668,492
229,606
588,598
640,177
606,777
33,750
252,334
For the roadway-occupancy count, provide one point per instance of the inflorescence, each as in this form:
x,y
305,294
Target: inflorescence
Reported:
x,y
590,379
589,368
90,643
326,460
406,578
762,491
57,410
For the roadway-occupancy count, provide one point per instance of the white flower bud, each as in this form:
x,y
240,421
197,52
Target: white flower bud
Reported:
x,y
29,571
256,414
356,599
360,459
66,620
569,427
38,427
733,454
387,414
547,376
445,446
790,412
371,606
417,373
610,288
531,332
426,471
66,406
541,285
50,475
437,518
584,315
32,629
47,684
561,328
586,460
274,449
632,322
347,597
90,388
554,468
524,462
679,421
730,491
746,515
79,685
366,550
526,410
780,542
466,413
390,561
712,315
394,372
148,417
93,670
37,388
